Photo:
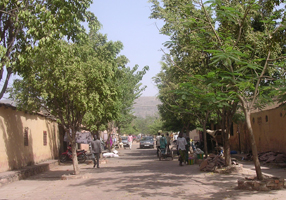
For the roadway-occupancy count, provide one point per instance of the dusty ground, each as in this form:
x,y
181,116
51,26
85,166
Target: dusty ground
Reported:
x,y
137,174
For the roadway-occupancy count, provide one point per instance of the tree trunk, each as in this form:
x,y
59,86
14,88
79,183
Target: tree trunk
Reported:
x,y
74,155
205,139
225,136
108,142
4,88
226,139
182,129
253,145
188,130
227,149
239,135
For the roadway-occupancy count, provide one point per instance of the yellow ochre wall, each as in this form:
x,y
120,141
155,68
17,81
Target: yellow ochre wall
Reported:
x,y
13,153
269,135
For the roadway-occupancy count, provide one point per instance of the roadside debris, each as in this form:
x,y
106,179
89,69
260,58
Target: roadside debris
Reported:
x,y
216,163
211,163
272,157
113,154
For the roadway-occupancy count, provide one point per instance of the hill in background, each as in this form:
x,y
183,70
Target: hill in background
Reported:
x,y
146,106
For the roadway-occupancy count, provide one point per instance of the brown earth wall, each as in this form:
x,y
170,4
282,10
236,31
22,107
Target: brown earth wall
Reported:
x,y
269,128
23,141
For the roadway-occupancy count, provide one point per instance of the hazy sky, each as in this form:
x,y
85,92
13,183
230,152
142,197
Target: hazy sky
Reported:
x,y
128,21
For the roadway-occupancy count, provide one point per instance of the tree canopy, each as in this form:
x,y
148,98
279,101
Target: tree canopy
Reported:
x,y
27,24
240,43
78,83
129,89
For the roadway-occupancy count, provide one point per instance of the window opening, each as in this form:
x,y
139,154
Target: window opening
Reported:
x,y
26,138
45,138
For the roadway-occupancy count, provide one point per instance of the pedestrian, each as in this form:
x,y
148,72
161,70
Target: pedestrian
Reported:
x,y
187,148
193,145
130,140
168,138
96,151
158,142
172,136
114,140
181,148
163,143
120,142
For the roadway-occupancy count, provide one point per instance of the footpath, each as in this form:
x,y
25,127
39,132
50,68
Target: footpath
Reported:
x,y
136,174
16,175
7,177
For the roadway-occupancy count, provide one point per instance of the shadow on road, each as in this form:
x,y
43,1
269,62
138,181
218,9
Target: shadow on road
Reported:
x,y
139,173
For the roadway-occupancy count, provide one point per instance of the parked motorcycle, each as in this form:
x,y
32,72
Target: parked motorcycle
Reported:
x,y
67,155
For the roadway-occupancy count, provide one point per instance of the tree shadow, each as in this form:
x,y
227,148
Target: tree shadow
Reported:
x,y
19,152
148,177
54,143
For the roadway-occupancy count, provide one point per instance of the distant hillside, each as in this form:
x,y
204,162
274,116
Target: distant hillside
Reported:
x,y
146,106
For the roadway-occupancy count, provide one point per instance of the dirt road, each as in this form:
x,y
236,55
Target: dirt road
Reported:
x,y
136,174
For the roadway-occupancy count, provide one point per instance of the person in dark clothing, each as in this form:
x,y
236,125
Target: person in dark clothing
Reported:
x,y
96,151
168,141
187,149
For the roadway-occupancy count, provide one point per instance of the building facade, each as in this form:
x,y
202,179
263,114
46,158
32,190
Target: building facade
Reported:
x,y
26,139
269,128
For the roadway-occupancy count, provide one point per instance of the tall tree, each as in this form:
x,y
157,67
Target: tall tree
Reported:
x,y
201,102
69,81
129,89
241,38
167,82
26,24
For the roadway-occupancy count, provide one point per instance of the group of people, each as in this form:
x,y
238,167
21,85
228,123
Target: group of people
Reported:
x,y
163,142
183,146
96,149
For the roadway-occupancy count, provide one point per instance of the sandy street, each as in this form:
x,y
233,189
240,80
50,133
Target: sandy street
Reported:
x,y
136,174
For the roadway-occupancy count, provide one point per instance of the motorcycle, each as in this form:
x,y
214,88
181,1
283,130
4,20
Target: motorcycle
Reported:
x,y
67,155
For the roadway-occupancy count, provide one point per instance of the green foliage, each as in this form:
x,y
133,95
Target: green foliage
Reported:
x,y
27,24
73,82
155,127
234,49
174,106
129,89
149,125
229,41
